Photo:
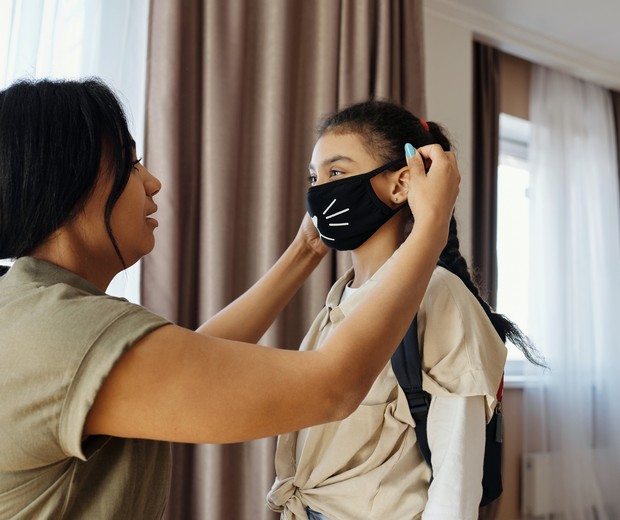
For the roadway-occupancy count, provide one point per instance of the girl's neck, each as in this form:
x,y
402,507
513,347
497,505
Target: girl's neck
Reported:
x,y
373,253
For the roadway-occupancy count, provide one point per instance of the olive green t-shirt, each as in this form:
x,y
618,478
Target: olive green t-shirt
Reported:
x,y
59,338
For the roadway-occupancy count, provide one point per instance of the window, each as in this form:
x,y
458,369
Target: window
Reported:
x,y
513,232
79,38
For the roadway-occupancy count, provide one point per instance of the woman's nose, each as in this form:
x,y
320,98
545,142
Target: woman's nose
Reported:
x,y
152,184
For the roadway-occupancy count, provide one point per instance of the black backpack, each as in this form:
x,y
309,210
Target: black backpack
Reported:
x,y
407,365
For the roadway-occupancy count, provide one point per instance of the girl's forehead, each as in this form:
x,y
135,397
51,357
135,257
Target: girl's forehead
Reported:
x,y
334,144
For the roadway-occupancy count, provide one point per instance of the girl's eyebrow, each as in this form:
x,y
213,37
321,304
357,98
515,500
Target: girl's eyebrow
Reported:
x,y
331,160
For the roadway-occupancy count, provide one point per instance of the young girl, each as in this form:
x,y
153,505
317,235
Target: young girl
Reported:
x,y
93,386
369,466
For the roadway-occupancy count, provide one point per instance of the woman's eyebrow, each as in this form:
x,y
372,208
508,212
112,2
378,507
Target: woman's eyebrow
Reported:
x,y
331,160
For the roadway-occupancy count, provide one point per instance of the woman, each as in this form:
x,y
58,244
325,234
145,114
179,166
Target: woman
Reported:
x,y
94,387
369,465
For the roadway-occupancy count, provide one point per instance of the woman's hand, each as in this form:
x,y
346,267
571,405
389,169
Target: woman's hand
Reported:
x,y
249,316
309,235
432,195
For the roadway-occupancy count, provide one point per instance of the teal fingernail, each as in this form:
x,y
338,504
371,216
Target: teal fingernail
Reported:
x,y
409,150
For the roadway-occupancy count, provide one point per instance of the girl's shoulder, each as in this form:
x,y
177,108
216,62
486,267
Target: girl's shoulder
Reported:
x,y
448,288
452,324
462,354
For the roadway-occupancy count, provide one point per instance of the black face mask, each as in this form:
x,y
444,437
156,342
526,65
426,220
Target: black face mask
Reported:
x,y
347,212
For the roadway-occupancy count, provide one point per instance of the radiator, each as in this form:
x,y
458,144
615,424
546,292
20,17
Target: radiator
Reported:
x,y
540,497
536,492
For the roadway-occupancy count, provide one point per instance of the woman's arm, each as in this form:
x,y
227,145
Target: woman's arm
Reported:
x,y
249,316
178,385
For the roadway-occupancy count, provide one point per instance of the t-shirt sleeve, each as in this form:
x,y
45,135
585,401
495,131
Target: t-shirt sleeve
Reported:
x,y
127,324
56,356
462,354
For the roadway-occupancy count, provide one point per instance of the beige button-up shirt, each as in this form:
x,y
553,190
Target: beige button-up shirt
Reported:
x,y
368,466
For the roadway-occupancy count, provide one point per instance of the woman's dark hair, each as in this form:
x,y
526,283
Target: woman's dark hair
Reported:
x,y
53,135
385,128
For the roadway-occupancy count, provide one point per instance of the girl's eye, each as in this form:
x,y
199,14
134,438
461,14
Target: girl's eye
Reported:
x,y
312,178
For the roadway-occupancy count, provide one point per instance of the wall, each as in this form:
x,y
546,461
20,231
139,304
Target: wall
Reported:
x,y
448,57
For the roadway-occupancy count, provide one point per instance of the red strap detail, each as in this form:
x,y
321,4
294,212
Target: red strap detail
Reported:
x,y
500,391
424,124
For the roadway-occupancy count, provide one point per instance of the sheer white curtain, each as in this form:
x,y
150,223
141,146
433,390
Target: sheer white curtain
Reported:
x,y
80,38
572,411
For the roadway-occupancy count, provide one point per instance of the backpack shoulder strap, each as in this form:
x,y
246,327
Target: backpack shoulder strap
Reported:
x,y
407,366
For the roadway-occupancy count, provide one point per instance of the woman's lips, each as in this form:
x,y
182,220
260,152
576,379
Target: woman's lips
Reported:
x,y
153,222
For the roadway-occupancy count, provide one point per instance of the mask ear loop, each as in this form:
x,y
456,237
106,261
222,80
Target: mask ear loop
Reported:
x,y
387,166
381,169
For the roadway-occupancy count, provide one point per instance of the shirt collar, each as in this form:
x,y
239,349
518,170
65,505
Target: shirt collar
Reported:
x,y
28,269
335,293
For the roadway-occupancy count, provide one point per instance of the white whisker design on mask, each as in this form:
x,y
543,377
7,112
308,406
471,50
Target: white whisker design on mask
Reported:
x,y
339,224
315,221
337,213
330,205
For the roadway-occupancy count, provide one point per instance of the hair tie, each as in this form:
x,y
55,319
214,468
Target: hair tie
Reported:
x,y
424,125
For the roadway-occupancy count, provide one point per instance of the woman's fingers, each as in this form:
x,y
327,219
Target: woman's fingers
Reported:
x,y
414,160
309,234
432,194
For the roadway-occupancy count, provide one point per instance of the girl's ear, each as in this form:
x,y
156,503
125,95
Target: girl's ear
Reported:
x,y
400,188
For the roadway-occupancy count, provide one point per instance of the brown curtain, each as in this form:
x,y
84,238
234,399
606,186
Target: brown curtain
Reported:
x,y
234,92
484,168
